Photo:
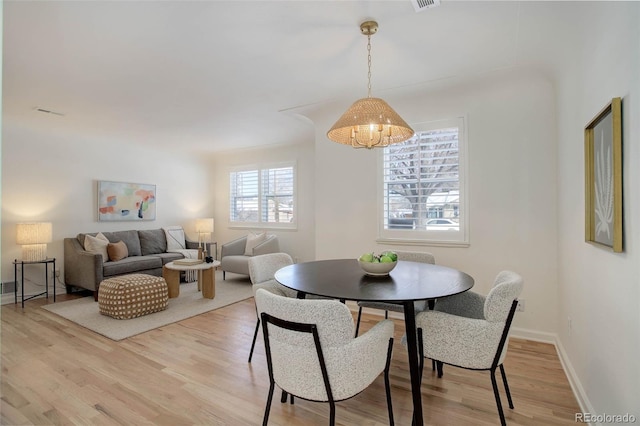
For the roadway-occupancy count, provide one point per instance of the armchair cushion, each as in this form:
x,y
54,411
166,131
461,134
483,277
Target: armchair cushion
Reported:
x,y
465,342
233,258
254,240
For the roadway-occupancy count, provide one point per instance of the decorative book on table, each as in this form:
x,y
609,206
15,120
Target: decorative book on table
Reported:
x,y
187,262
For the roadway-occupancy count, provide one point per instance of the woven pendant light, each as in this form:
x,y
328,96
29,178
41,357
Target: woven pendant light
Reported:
x,y
370,122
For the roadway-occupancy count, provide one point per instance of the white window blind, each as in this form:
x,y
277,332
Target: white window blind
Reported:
x,y
423,186
262,196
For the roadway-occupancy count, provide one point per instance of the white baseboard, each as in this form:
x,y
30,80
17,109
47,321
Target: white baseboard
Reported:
x,y
536,336
574,382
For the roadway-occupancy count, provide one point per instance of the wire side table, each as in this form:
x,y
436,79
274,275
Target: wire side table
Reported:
x,y
22,263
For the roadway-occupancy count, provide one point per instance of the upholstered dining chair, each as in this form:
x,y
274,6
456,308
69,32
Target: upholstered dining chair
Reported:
x,y
312,354
410,256
262,269
471,331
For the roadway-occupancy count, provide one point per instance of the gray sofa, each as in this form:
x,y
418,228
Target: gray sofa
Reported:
x,y
233,258
147,254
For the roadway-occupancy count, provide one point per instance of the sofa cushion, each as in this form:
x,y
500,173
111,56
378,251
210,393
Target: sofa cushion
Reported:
x,y
152,241
130,238
130,265
97,245
175,238
117,251
169,257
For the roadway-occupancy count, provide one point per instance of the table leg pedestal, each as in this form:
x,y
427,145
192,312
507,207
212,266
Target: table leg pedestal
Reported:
x,y
414,366
207,280
172,277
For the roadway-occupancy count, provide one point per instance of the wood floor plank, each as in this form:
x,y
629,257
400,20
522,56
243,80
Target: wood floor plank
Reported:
x,y
195,372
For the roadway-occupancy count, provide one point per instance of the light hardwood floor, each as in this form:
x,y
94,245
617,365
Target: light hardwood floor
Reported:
x,y
195,372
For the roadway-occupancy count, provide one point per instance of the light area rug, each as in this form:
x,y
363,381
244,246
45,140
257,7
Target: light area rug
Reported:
x,y
190,303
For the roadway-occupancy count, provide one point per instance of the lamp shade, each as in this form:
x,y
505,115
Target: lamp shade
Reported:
x,y
368,123
34,238
204,225
34,233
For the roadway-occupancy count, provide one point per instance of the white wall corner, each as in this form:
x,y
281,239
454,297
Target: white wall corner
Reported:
x,y
574,382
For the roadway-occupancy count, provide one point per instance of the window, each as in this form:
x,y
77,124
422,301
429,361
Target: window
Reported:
x,y
423,186
263,197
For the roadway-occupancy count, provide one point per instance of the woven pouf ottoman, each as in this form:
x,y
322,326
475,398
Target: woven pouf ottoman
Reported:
x,y
131,296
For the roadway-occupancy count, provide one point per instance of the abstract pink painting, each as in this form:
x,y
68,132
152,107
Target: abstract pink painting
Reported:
x,y
122,201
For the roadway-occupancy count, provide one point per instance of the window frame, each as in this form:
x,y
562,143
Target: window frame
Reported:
x,y
260,168
425,237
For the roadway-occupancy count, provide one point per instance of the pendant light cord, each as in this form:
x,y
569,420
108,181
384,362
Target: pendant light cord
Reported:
x,y
369,65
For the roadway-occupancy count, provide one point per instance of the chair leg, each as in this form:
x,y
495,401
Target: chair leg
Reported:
x,y
255,335
332,413
494,384
386,314
439,365
506,386
387,384
265,419
358,322
224,275
283,397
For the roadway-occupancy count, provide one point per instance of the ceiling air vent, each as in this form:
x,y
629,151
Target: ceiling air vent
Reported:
x,y
420,5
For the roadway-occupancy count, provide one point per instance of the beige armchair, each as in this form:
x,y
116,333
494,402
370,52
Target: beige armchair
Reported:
x,y
234,256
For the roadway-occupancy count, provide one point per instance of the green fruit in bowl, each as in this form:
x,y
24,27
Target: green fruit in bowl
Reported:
x,y
386,259
391,254
367,257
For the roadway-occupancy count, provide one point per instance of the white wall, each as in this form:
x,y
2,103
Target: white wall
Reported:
x,y
50,177
599,290
299,242
512,178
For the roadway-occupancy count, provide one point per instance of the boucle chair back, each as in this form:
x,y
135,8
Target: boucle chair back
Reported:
x,y
416,256
334,320
506,288
263,267
262,270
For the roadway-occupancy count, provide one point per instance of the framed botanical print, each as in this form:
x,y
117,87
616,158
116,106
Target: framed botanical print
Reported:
x,y
603,177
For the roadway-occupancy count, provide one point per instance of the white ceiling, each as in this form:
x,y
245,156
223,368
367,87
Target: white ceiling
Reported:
x,y
215,75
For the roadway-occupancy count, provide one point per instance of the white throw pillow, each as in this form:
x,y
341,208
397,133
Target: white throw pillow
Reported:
x,y
175,238
254,240
97,245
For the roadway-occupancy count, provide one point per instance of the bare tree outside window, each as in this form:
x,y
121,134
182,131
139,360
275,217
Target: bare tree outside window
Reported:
x,y
421,182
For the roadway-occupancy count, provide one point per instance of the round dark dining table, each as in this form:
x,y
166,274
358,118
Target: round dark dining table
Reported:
x,y
408,282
